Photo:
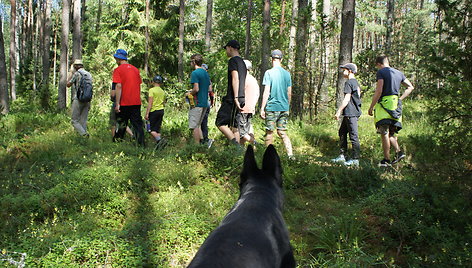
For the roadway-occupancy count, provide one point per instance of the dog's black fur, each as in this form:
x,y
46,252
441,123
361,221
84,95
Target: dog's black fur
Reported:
x,y
253,234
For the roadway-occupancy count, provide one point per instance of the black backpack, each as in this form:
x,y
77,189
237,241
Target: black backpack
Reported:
x,y
85,89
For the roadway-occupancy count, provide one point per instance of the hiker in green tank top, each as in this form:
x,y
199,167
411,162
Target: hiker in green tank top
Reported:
x,y
386,107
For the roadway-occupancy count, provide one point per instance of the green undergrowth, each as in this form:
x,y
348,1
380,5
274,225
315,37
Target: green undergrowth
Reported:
x,y
73,202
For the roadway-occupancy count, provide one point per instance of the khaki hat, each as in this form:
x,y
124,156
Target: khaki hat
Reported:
x,y
78,62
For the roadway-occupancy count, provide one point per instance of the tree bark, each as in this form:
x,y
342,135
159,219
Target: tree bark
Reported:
x,y
181,41
45,95
13,50
282,18
76,31
299,86
265,39
346,44
323,94
99,16
61,102
146,44
208,23
293,32
247,46
4,99
390,19
312,90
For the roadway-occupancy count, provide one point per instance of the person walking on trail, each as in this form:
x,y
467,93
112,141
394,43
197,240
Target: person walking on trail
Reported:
x,y
155,110
128,97
276,101
251,94
386,107
232,103
350,110
80,109
200,81
204,125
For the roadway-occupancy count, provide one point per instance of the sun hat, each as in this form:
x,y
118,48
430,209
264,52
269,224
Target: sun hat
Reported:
x,y
121,54
349,66
78,62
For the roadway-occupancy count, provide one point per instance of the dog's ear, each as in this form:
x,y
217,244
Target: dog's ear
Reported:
x,y
250,164
271,164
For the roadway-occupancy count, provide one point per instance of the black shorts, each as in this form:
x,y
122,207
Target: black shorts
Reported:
x,y
226,115
155,119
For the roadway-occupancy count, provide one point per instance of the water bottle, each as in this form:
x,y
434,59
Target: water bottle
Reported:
x,y
148,126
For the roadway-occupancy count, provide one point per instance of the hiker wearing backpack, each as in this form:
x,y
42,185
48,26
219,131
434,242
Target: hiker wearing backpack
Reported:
x,y
81,95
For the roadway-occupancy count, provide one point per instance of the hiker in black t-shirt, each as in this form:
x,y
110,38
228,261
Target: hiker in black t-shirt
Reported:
x,y
233,102
350,110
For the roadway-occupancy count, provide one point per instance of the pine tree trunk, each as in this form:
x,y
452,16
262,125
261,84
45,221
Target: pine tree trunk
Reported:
x,y
323,94
45,94
299,85
312,90
293,32
265,39
61,102
76,31
346,44
390,19
247,47
4,99
181,41
208,23
146,44
13,50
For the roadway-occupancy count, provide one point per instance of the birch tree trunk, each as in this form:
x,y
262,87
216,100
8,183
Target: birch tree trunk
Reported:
x,y
293,32
61,102
312,90
45,95
76,31
4,99
181,41
346,44
208,22
247,46
13,50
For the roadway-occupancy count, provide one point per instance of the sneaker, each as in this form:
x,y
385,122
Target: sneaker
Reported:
x,y
385,163
352,163
210,143
339,159
291,157
398,156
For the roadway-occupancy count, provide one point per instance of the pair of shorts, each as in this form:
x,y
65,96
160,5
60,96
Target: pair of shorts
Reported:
x,y
155,120
387,129
276,120
226,115
244,123
195,117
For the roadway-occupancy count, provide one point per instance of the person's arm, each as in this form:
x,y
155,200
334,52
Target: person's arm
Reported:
x,y
235,83
70,79
408,90
195,89
150,100
347,98
118,97
265,98
377,94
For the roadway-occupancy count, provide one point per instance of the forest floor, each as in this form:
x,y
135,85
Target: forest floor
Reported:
x,y
67,201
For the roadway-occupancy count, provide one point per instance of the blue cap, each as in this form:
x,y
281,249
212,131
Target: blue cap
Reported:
x,y
121,54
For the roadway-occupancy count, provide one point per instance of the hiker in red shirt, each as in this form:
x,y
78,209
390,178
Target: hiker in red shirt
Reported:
x,y
128,97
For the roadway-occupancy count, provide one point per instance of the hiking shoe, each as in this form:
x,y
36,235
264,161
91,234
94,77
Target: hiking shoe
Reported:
x,y
291,157
398,156
339,159
385,163
209,143
352,163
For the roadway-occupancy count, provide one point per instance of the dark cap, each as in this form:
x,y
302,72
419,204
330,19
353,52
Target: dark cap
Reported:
x,y
349,66
121,54
276,54
233,44
158,79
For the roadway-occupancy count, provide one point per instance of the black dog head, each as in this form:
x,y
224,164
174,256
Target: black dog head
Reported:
x,y
271,171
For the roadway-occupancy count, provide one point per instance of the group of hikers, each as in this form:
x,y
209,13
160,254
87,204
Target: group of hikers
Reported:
x,y
238,106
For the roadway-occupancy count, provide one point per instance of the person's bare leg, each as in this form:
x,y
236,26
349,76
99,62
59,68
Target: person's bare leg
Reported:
x,y
155,134
394,143
386,146
197,135
227,132
286,140
269,137
235,133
